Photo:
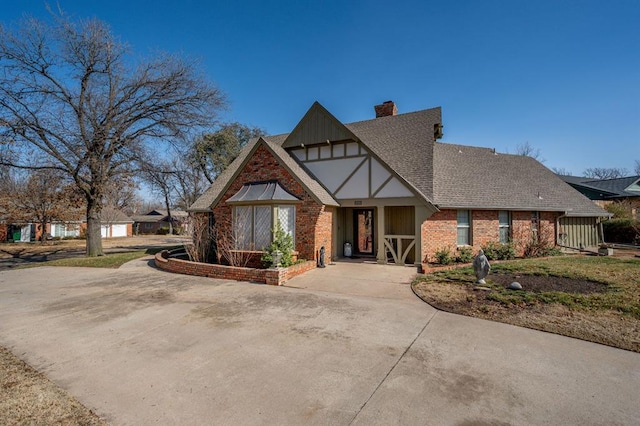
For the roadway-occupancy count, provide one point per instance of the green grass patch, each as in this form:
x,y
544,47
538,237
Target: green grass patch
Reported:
x,y
113,260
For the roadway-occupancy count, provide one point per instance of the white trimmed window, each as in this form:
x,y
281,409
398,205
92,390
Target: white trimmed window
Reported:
x,y
504,225
253,225
464,228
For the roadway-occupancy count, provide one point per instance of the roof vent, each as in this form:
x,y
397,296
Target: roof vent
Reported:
x,y
386,109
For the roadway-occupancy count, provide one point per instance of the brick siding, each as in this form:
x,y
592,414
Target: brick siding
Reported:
x,y
440,230
313,220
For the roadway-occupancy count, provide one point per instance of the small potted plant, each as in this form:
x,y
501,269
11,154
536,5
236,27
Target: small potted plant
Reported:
x,y
605,250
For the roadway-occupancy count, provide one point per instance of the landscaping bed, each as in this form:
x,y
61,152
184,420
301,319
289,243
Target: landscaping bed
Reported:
x,y
586,297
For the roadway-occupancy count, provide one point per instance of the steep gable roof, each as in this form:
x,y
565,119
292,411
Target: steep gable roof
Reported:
x,y
212,195
471,177
317,126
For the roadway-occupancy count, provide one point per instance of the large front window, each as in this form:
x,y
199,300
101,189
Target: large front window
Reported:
x,y
253,225
464,228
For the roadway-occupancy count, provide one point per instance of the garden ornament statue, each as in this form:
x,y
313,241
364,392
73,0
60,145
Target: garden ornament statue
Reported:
x,y
321,259
481,266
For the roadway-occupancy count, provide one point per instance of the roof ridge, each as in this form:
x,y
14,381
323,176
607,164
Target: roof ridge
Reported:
x,y
404,114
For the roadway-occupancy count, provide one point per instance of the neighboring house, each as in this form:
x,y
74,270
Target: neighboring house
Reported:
x,y
607,191
115,224
386,189
151,222
20,232
66,229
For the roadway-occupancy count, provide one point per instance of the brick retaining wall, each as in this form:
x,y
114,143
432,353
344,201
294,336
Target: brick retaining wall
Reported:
x,y
266,276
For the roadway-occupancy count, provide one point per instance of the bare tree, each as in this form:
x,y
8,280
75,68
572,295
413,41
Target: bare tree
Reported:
x,y
120,193
203,235
636,168
527,150
160,175
190,182
213,152
561,171
69,90
605,173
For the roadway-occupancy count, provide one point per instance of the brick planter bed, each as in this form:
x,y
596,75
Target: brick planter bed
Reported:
x,y
265,276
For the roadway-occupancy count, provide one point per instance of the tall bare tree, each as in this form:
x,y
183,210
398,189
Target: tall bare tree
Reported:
x,y
636,168
120,193
605,172
160,175
190,182
70,91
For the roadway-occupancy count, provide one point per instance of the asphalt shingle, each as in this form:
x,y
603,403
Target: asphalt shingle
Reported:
x,y
472,177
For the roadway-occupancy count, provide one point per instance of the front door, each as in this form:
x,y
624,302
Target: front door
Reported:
x,y
363,228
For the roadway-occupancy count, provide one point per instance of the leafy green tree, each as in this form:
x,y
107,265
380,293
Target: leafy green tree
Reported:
x,y
213,152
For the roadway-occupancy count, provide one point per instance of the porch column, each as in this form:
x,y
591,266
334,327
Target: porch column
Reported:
x,y
421,215
381,257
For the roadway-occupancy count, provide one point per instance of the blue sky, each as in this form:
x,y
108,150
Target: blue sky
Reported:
x,y
562,75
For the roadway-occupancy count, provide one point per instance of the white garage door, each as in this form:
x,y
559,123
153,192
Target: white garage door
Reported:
x,y
118,230
109,231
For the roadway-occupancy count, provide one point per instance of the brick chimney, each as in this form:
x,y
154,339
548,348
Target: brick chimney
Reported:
x,y
386,109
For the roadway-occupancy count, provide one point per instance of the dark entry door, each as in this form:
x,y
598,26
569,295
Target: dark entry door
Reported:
x,y
363,228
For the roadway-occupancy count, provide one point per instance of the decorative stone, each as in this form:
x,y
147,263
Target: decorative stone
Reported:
x,y
481,266
515,286
605,251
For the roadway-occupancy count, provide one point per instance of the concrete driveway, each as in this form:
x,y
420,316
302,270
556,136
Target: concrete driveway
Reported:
x,y
141,346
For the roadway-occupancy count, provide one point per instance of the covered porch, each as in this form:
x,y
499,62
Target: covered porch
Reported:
x,y
388,234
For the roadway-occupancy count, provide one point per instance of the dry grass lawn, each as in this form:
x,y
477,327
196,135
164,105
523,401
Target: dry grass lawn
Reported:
x,y
28,397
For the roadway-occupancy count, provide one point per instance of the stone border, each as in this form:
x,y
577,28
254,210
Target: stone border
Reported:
x,y
272,276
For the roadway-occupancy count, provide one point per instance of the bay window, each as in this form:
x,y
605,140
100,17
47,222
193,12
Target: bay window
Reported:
x,y
253,225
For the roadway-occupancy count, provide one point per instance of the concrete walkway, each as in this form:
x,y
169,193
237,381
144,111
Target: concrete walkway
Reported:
x,y
141,346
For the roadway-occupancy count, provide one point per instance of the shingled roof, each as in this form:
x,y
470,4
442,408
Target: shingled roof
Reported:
x,y
405,143
472,177
445,175
611,188
217,188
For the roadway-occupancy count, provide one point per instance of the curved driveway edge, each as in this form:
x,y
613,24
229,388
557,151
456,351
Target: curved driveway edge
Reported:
x,y
141,346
